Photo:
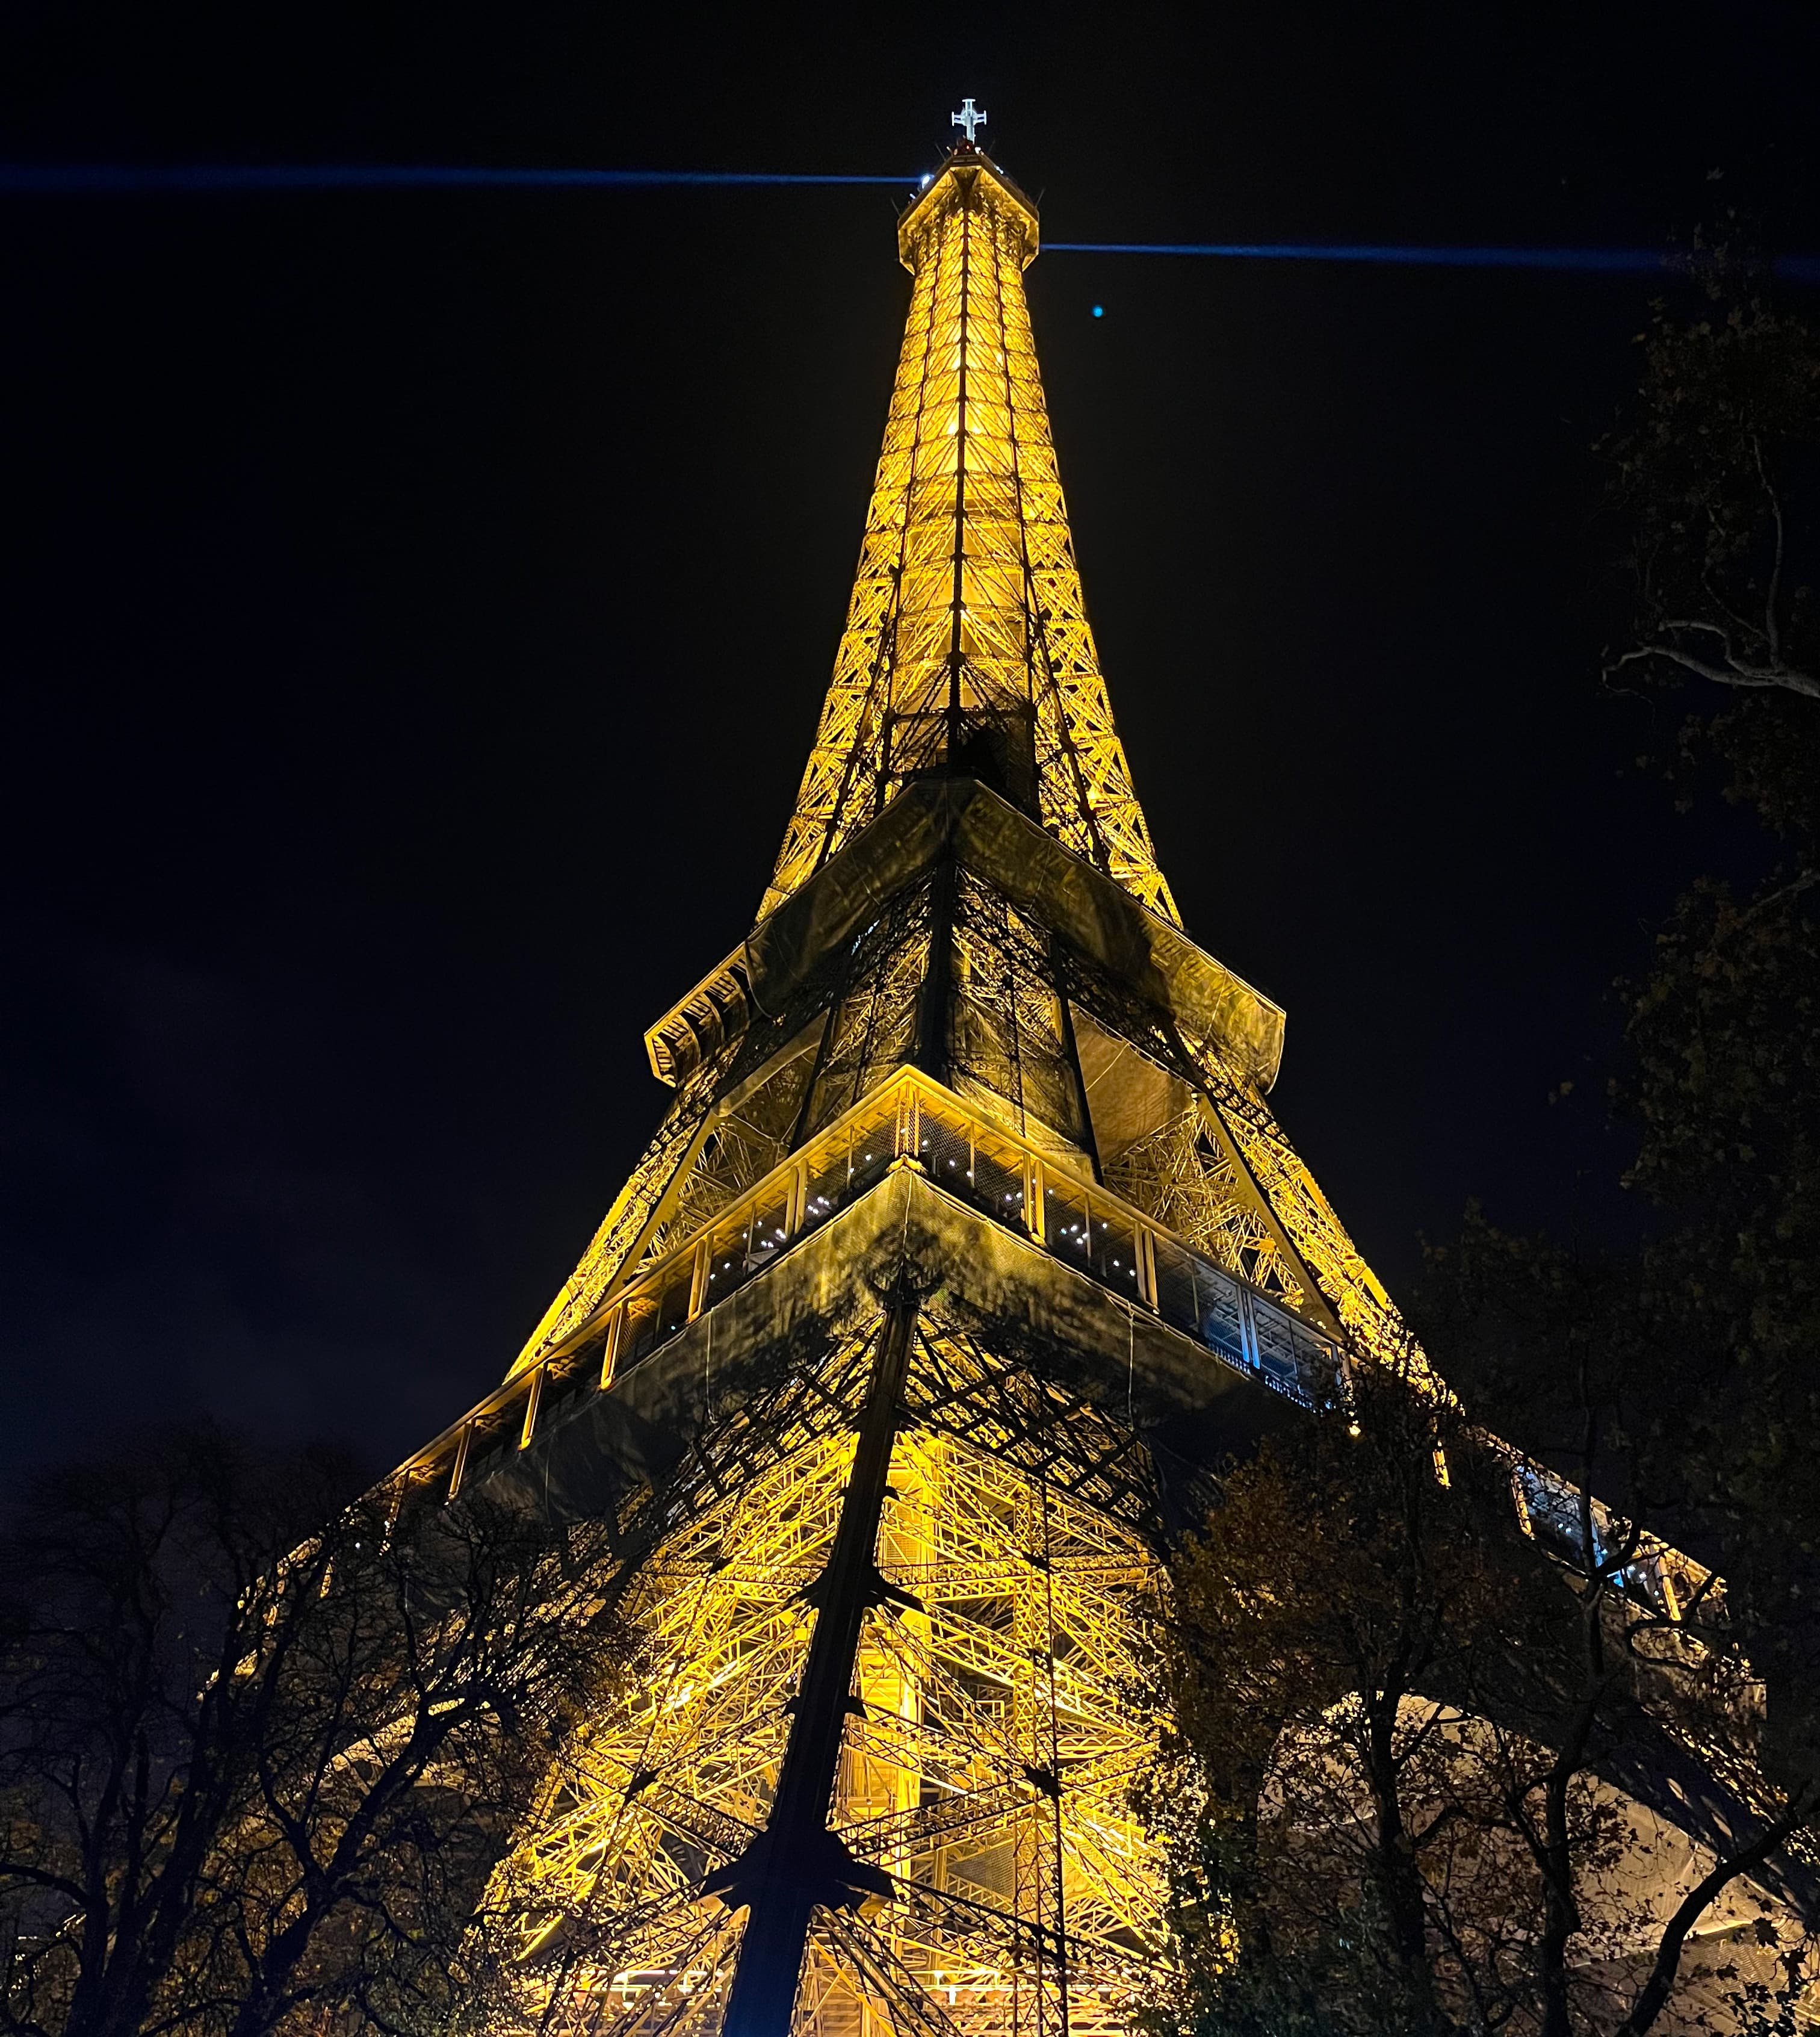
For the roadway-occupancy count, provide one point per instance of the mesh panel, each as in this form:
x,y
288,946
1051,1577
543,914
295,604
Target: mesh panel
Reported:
x,y
873,1025
1006,1034
999,1184
947,1152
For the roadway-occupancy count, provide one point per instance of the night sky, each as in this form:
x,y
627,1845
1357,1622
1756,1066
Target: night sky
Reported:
x,y
415,609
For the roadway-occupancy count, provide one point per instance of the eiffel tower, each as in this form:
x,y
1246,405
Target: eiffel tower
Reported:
x,y
967,1241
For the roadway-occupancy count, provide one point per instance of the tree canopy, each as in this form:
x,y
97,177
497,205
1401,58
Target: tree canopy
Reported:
x,y
261,1748
1429,1753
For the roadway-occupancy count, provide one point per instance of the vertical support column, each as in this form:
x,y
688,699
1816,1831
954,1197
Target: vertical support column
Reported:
x,y
1147,1266
1038,1894
459,1469
797,1862
533,1400
699,1270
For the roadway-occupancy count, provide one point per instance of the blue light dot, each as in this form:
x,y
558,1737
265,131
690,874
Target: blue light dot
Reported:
x,y
1099,310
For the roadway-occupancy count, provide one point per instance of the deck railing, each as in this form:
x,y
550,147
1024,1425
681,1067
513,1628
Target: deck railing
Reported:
x,y
1039,1194
908,1120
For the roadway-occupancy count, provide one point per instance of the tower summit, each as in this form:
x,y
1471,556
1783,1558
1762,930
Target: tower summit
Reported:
x,y
967,643
967,1243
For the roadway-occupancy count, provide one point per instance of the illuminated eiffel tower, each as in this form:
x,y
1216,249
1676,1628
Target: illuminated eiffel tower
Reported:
x,y
968,1238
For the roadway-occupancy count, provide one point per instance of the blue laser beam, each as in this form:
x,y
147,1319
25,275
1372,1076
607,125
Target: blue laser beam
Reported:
x,y
74,179
1607,261
1621,260
58,179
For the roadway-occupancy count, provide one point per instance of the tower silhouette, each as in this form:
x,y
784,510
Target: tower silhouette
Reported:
x,y
967,1240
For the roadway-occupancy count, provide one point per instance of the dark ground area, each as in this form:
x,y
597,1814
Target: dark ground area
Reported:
x,y
415,608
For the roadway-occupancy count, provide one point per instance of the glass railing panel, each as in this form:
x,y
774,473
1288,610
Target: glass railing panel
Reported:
x,y
1277,1357
1065,1222
1318,1360
563,1387
1553,1509
1116,1249
830,1180
1176,1297
986,1167
875,1147
770,1228
659,1310
640,1335
998,1180
673,1297
946,1151
495,1439
728,1255
1220,1302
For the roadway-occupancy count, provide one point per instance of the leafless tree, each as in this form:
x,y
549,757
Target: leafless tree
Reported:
x,y
260,1747
1715,484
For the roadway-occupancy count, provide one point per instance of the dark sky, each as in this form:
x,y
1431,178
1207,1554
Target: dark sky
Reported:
x,y
415,608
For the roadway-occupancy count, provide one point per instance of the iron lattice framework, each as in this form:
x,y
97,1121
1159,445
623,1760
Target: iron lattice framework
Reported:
x,y
967,1240
1000,1649
967,622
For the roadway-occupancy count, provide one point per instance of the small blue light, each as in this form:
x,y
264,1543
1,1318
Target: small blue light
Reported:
x,y
1099,310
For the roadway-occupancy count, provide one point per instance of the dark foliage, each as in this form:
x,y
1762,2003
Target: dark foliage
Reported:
x,y
257,1770
1411,1730
1413,1726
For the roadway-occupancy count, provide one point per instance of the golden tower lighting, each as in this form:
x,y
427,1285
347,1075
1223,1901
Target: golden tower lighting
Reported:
x,y
967,1241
